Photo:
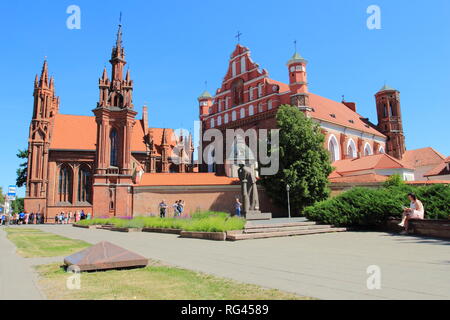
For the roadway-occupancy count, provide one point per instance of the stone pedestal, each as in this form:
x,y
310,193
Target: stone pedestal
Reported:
x,y
257,215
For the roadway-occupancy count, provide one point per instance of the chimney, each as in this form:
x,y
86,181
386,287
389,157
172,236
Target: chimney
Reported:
x,y
350,105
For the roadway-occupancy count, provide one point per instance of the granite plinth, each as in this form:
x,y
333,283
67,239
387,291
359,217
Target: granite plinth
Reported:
x,y
257,215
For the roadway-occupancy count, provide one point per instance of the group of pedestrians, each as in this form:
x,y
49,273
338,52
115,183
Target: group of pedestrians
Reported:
x,y
178,208
21,218
71,217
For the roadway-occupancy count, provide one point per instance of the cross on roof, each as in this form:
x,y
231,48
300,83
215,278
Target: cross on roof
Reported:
x,y
238,36
295,46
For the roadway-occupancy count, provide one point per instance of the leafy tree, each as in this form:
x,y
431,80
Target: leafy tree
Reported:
x,y
304,163
2,196
22,171
17,205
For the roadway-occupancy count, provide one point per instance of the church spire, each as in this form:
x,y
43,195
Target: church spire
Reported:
x,y
44,75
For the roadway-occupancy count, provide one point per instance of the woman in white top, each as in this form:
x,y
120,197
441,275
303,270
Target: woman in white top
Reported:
x,y
415,211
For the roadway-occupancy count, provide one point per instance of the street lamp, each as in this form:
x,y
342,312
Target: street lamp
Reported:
x,y
288,188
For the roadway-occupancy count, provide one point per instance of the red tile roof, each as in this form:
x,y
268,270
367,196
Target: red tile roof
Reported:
x,y
324,109
377,161
73,132
185,179
338,113
371,177
422,157
440,170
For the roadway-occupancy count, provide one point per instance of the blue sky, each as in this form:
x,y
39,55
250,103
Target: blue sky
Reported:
x,y
174,47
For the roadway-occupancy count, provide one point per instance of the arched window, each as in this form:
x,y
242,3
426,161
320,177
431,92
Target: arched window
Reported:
x,y
65,184
233,116
243,67
226,118
260,90
233,68
84,185
114,143
219,120
381,150
250,93
351,149
333,148
242,113
237,90
212,123
269,105
260,107
211,161
220,105
367,149
251,110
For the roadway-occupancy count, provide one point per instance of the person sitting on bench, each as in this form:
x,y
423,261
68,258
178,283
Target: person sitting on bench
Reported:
x,y
415,211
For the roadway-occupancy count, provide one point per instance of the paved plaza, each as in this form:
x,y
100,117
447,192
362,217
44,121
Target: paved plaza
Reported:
x,y
325,266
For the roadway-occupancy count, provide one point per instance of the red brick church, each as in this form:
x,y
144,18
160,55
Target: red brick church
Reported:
x,y
91,163
249,99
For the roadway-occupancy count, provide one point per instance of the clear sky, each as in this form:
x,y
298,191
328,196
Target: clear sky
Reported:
x,y
173,47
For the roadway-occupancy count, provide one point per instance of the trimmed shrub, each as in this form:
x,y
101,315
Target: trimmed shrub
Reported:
x,y
364,207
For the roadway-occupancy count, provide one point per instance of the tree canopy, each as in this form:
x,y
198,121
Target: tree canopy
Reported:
x,y
304,162
22,171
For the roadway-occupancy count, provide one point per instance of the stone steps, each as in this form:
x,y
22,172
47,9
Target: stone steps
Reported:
x,y
254,225
289,233
287,228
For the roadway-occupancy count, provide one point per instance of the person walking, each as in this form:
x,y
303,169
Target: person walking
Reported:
x,y
238,207
180,207
162,209
176,211
21,217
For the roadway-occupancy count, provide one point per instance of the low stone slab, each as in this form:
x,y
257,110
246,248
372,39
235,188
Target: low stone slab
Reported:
x,y
105,256
84,227
162,230
264,235
127,229
431,228
217,236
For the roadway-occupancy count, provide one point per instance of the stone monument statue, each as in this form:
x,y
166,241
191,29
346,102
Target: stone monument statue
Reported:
x,y
250,195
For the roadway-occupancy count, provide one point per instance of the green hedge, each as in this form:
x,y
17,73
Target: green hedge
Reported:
x,y
366,207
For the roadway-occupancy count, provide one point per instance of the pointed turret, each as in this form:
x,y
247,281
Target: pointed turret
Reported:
x,y
105,75
52,83
44,75
164,141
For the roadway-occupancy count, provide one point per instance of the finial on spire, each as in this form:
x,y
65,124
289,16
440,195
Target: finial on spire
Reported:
x,y
238,37
119,33
295,46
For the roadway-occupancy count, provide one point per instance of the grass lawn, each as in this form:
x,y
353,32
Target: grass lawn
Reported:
x,y
33,243
155,282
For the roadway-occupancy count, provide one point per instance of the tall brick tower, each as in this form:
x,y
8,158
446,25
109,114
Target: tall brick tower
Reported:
x,y
46,106
115,119
298,82
390,120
